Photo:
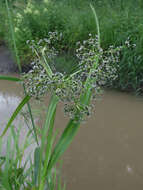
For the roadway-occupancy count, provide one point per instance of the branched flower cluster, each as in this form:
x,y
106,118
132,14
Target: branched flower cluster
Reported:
x,y
95,66
46,45
105,62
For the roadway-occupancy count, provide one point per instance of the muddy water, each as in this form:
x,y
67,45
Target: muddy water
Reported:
x,y
6,62
107,153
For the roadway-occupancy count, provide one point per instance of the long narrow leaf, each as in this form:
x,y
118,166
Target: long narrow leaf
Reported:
x,y
13,35
50,117
19,64
15,79
16,112
5,180
36,165
97,23
50,141
47,66
70,130
64,141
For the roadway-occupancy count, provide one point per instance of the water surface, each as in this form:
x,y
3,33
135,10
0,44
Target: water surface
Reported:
x,y
107,152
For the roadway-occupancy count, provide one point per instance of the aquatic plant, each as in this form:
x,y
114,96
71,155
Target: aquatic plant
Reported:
x,y
77,89
18,165
95,66
118,20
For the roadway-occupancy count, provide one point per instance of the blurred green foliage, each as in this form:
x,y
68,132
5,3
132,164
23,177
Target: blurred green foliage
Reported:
x,y
118,20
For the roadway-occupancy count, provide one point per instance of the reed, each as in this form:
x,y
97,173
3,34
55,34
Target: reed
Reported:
x,y
77,90
118,21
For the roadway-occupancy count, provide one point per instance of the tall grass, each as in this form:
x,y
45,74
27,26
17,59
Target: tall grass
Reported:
x,y
18,168
77,89
118,21
27,98
40,174
14,165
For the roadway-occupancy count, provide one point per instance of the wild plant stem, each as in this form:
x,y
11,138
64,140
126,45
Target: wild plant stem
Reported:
x,y
97,24
20,68
13,36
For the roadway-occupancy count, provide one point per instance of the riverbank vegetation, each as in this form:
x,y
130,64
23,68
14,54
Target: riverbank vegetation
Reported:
x,y
119,20
40,35
77,89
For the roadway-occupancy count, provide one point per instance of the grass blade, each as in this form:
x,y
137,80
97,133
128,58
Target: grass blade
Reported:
x,y
49,117
47,140
70,130
36,165
19,65
13,35
16,112
14,79
97,23
47,66
5,180
65,139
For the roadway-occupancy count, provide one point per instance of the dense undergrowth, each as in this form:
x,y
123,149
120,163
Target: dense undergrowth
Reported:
x,y
77,89
34,34
118,20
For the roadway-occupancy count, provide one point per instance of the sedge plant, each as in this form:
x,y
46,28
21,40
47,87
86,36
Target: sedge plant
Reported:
x,y
77,90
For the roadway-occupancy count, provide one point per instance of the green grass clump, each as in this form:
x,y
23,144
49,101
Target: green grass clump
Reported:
x,y
77,90
19,160
2,22
118,20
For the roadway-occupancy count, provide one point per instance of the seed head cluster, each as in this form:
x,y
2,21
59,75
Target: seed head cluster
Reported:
x,y
95,65
104,62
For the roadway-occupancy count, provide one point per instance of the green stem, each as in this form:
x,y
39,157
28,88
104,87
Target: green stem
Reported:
x,y
97,24
20,68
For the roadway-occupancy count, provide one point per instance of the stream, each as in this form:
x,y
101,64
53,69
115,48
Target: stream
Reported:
x,y
107,152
